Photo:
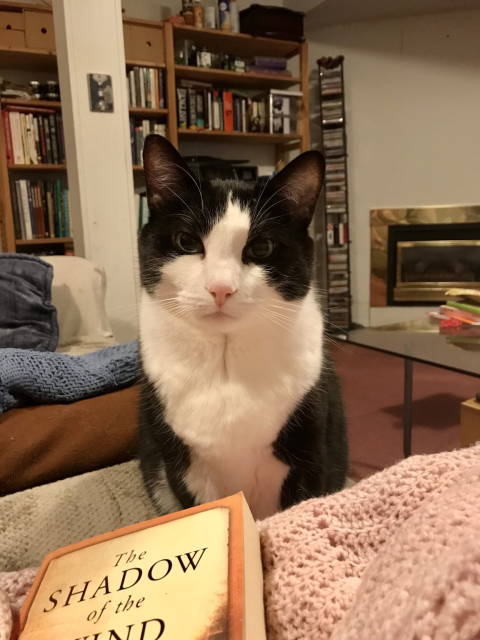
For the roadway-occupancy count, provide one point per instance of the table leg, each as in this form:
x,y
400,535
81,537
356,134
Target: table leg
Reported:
x,y
407,408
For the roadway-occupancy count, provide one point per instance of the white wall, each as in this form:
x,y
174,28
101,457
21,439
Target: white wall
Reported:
x,y
160,9
413,118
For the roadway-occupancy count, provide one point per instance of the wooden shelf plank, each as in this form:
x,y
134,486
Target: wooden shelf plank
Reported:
x,y
22,102
44,241
145,63
231,78
238,44
31,59
37,167
147,113
230,136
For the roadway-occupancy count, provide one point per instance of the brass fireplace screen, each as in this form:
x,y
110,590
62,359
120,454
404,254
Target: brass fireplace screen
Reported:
x,y
424,261
425,270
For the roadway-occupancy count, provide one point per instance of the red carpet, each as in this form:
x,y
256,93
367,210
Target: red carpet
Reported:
x,y
373,393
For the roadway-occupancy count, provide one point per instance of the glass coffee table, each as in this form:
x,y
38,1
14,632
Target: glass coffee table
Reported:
x,y
420,341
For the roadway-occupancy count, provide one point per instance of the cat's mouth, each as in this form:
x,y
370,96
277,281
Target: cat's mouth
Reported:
x,y
220,314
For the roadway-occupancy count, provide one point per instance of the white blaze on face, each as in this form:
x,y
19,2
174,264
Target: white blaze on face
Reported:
x,y
193,279
223,248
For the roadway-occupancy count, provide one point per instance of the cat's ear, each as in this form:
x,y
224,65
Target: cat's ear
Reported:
x,y
166,173
300,182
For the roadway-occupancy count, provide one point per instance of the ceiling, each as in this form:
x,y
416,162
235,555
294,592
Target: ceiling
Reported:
x,y
331,12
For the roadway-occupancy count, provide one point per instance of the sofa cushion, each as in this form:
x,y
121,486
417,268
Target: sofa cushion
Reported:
x,y
28,319
51,442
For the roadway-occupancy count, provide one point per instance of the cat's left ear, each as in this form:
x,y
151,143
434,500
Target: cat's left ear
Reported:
x,y
300,182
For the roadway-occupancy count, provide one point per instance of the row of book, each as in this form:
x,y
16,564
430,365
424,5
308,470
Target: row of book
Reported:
x,y
332,111
146,88
33,135
338,287
40,209
138,132
331,82
200,106
460,315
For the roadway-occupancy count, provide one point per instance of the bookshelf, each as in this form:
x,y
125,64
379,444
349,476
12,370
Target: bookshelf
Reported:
x,y
151,44
335,192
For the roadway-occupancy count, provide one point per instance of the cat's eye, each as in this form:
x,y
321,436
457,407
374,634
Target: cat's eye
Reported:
x,y
187,243
261,249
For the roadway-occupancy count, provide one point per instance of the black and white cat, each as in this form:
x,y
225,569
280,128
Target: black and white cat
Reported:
x,y
238,391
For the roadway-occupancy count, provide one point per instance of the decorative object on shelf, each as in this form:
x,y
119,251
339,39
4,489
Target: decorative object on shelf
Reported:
x,y
224,15
234,17
335,191
101,92
198,14
210,14
272,22
187,12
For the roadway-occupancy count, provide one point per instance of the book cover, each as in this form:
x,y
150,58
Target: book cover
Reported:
x,y
210,110
131,84
58,200
141,80
8,136
138,101
23,132
36,130
148,88
30,138
156,92
50,210
46,221
31,212
189,575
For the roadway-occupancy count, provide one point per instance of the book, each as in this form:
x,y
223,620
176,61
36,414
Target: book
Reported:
x,y
8,136
182,108
188,575
227,111
16,131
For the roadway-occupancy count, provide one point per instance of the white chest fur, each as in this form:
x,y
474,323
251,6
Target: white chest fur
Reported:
x,y
227,397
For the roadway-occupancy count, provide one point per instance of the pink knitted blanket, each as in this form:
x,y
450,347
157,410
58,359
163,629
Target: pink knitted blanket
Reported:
x,y
396,557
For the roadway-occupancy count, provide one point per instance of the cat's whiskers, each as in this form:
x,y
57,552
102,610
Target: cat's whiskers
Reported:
x,y
194,181
163,183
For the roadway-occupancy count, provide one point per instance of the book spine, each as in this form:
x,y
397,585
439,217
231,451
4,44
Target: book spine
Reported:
x,y
148,88
132,93
15,211
216,111
43,147
244,116
51,217
31,211
138,101
132,142
141,79
31,139
210,110
37,139
48,144
61,138
182,108
8,137
18,191
53,137
59,208
39,210
161,89
192,109
154,81
46,221
200,110
23,131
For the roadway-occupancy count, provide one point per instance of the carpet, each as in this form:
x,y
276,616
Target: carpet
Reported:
x,y
373,393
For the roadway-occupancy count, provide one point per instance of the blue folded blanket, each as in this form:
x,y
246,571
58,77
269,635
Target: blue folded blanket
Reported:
x,y
30,377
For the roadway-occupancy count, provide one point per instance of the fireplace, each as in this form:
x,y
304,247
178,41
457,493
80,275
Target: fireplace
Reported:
x,y
428,250
425,260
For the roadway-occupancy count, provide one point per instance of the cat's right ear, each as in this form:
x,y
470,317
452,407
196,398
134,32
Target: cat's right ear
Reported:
x,y
167,175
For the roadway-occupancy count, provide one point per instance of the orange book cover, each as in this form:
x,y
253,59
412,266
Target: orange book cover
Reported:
x,y
184,576
227,111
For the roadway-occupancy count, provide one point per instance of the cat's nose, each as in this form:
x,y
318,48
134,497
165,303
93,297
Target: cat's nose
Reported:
x,y
221,292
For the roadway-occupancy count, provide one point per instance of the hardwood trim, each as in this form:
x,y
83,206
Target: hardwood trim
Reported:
x,y
7,228
256,80
22,102
231,136
145,63
170,87
146,112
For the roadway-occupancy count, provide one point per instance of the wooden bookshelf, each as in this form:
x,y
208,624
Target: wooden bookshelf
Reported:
x,y
235,78
239,136
156,50
237,44
40,241
37,167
